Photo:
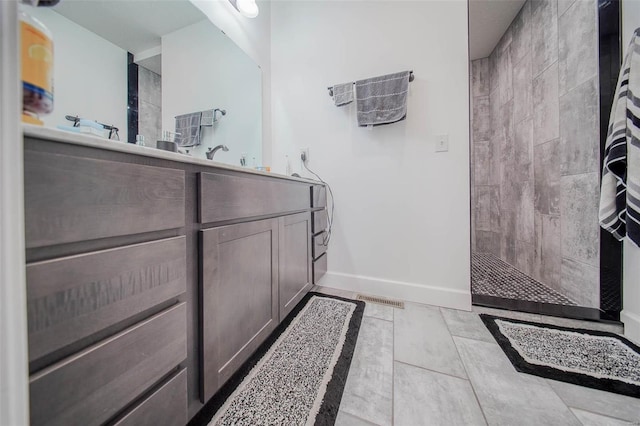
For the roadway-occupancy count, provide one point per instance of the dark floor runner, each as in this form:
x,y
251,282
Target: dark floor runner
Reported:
x,y
335,387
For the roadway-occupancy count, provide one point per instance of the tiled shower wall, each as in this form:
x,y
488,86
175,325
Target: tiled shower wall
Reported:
x,y
149,105
535,139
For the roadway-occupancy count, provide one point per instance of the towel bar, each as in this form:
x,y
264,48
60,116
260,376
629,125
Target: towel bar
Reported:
x,y
411,78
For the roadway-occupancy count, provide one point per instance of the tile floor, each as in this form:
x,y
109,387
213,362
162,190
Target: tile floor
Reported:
x,y
490,276
424,365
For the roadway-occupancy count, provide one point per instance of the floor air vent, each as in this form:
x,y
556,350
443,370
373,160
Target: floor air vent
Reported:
x,y
381,301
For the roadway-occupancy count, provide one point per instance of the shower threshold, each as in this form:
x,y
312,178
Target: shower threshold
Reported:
x,y
496,284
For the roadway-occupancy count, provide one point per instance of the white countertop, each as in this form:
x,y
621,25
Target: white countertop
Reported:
x,y
62,136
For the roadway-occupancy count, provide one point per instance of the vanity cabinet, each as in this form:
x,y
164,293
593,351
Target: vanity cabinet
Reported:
x,y
152,277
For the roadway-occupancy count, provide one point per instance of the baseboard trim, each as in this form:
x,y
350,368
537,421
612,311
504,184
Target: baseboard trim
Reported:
x,y
631,323
410,292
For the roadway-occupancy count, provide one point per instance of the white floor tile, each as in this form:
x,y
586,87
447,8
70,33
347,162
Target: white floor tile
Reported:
x,y
597,401
346,419
421,338
592,419
379,311
506,396
423,397
368,392
466,324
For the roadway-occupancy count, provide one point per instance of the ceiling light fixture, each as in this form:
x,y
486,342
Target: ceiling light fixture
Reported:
x,y
247,8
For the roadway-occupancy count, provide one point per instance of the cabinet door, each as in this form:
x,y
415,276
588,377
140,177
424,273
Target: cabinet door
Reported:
x,y
295,260
239,284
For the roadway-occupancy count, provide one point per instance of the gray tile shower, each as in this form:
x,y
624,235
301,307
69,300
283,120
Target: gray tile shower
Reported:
x,y
535,151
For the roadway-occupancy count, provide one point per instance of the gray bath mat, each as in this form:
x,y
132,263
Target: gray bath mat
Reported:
x,y
594,359
298,376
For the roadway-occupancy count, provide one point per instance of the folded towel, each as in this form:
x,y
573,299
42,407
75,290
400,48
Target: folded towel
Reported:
x,y
188,126
343,94
382,100
620,194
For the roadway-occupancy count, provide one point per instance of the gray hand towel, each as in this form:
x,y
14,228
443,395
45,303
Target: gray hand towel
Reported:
x,y
382,100
188,126
343,94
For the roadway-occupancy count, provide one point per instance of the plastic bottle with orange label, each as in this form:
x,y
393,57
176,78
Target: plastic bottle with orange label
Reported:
x,y
37,66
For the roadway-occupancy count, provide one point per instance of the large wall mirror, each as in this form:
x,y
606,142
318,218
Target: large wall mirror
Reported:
x,y
146,66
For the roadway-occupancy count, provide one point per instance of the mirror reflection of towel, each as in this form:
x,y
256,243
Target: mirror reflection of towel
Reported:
x,y
188,126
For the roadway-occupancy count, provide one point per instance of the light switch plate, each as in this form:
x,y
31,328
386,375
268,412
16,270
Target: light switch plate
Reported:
x,y
442,143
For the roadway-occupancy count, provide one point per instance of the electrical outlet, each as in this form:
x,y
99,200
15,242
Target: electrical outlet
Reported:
x,y
304,154
442,143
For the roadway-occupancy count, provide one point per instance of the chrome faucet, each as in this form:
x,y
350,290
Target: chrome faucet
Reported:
x,y
212,151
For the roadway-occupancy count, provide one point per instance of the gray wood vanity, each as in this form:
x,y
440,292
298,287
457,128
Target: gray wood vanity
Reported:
x,y
152,277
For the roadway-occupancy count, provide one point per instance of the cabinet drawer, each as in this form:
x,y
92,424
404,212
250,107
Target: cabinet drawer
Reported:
x,y
92,386
318,196
319,221
74,297
69,199
318,245
224,197
166,406
319,268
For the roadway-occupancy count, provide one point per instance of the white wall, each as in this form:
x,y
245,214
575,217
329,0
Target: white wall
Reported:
x,y
90,74
220,75
253,36
630,315
402,211
14,372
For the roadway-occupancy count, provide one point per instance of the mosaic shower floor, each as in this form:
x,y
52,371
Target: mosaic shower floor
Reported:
x,y
490,276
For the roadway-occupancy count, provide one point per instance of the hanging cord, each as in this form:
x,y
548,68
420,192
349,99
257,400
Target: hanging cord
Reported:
x,y
327,237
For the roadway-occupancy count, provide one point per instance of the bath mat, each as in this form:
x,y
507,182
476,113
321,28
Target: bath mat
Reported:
x,y
594,359
298,375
